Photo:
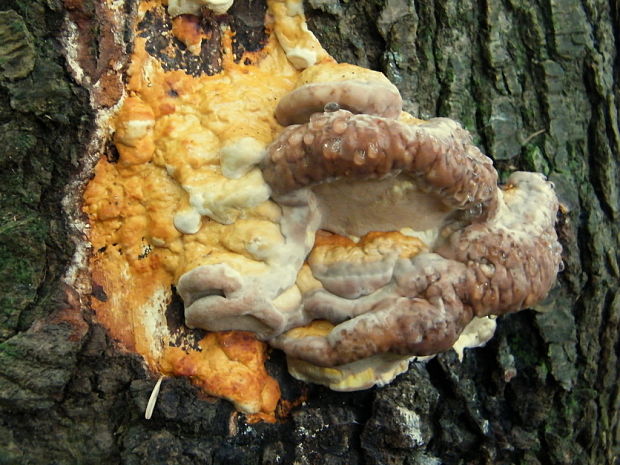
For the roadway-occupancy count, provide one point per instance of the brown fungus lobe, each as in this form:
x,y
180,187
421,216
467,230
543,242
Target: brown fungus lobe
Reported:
x,y
350,87
356,96
437,154
505,264
499,254
412,236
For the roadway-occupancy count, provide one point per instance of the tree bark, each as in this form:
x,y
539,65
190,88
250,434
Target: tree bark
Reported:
x,y
537,83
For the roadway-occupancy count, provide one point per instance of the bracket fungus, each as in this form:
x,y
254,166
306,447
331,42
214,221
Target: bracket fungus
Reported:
x,y
397,230
289,199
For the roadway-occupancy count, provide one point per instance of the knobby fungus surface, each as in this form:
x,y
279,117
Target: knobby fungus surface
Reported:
x,y
289,199
411,236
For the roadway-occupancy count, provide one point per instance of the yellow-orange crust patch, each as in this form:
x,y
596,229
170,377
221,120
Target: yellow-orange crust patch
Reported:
x,y
185,192
314,328
329,248
335,72
230,365
168,134
187,29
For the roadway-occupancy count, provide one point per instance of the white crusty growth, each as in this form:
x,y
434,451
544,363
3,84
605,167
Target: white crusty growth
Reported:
x,y
240,156
264,298
193,7
224,199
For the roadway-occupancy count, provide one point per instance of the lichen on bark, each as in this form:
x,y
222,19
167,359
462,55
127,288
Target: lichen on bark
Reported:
x,y
39,121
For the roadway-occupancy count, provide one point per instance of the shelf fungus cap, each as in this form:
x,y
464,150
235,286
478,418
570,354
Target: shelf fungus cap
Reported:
x,y
504,263
376,370
394,231
486,250
360,164
356,89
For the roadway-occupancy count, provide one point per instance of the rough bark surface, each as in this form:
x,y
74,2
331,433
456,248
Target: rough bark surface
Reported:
x,y
536,82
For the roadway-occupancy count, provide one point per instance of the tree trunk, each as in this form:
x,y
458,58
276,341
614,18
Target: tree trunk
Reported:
x,y
537,83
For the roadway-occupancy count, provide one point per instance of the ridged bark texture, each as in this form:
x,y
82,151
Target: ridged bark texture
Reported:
x,y
536,82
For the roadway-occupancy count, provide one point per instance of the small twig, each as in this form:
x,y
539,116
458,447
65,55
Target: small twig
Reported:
x,y
153,399
531,136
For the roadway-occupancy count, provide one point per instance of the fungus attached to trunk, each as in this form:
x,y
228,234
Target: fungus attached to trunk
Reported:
x,y
349,87
397,230
358,239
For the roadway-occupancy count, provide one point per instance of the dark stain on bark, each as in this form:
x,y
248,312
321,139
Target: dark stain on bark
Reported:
x,y
156,27
99,293
111,152
182,336
97,48
247,23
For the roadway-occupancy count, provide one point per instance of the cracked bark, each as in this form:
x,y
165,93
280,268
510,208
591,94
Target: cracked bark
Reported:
x,y
538,85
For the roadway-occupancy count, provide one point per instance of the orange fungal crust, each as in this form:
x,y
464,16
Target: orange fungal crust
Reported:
x,y
185,191
168,134
231,365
